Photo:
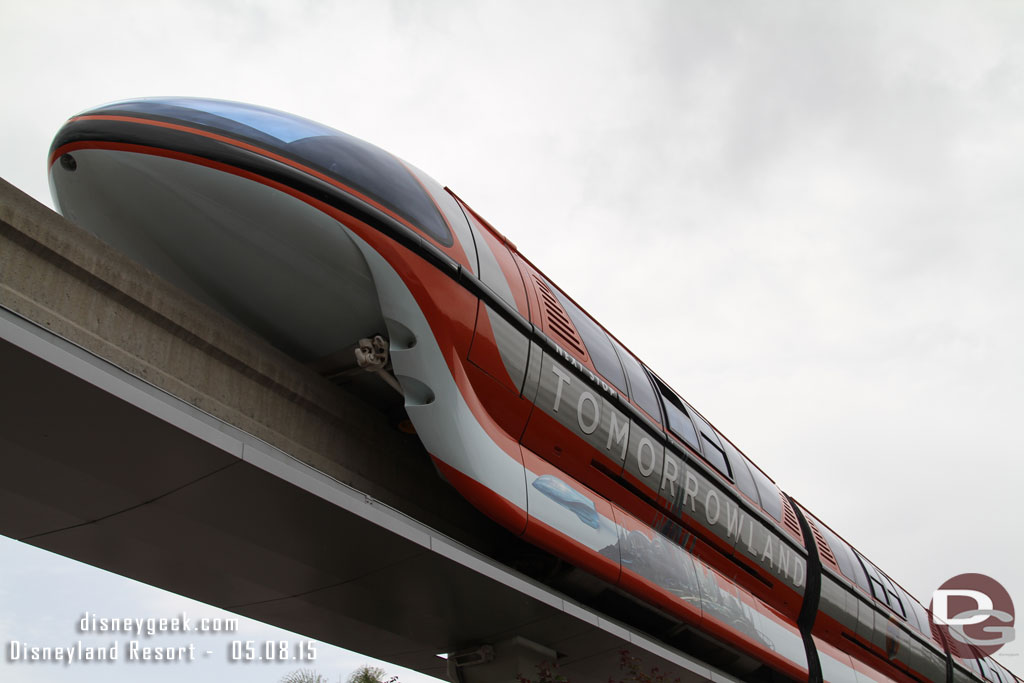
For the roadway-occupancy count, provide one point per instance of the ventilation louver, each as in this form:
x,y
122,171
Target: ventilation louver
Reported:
x,y
556,321
789,517
823,548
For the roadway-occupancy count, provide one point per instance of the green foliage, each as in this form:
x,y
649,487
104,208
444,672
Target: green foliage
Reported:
x,y
304,676
370,674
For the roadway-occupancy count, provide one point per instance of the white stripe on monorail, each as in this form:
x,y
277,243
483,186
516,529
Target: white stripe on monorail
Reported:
x,y
106,376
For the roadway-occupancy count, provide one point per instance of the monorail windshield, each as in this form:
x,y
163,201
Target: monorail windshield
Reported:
x,y
363,167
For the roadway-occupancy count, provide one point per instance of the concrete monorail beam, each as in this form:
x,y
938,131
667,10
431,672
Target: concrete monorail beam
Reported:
x,y
145,434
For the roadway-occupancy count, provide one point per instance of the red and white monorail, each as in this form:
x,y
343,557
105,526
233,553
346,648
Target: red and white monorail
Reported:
x,y
529,408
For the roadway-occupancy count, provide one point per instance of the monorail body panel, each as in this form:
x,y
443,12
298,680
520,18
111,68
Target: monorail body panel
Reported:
x,y
528,407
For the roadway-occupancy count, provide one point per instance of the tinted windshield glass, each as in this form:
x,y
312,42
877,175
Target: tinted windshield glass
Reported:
x,y
365,168
284,127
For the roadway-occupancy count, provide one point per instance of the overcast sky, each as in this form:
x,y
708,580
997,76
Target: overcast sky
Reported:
x,y
806,216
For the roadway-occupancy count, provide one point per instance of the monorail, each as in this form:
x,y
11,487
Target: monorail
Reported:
x,y
528,407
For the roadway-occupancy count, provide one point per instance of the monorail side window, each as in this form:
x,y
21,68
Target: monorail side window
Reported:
x,y
892,598
714,455
997,675
640,389
844,556
596,340
710,445
740,470
884,589
676,418
450,209
972,663
771,497
923,619
908,606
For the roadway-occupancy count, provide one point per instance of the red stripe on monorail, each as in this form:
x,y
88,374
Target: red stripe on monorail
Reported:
x,y
557,542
